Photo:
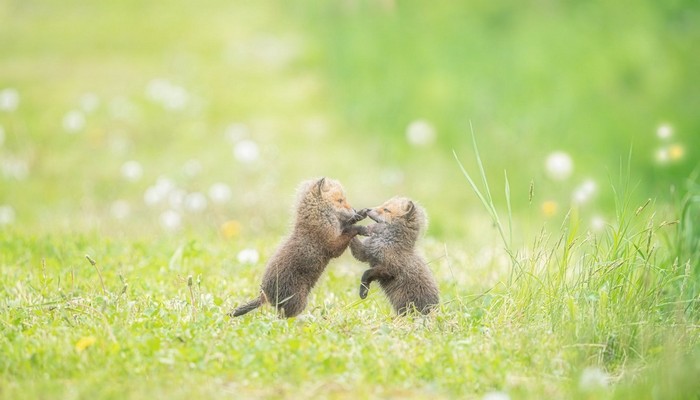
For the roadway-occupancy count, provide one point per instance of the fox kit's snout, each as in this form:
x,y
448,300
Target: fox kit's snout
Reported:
x,y
393,208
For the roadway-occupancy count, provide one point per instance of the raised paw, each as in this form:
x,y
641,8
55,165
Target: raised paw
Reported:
x,y
364,289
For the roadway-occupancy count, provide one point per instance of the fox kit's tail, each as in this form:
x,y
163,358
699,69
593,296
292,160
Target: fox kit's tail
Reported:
x,y
247,307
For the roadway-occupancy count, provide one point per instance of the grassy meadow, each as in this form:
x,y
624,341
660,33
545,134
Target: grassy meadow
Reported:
x,y
150,152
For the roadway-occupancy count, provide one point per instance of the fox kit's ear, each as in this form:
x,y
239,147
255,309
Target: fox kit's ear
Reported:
x,y
409,207
321,186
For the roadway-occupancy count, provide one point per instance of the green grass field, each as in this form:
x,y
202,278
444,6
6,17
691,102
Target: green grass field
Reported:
x,y
165,142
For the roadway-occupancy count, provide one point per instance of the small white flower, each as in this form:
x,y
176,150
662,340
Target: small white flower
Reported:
x,y
132,171
89,102
420,133
391,177
74,121
496,396
195,202
14,168
164,185
176,198
246,151
597,223
7,215
662,156
220,193
120,209
248,256
169,95
236,132
170,220
192,168
664,131
559,165
593,378
122,108
584,192
9,99
153,196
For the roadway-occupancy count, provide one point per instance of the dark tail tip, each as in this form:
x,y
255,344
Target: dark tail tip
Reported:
x,y
246,308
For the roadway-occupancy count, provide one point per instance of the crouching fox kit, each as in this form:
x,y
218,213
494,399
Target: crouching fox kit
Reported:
x,y
322,230
390,251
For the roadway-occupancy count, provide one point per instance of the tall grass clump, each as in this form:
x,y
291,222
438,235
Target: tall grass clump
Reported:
x,y
623,301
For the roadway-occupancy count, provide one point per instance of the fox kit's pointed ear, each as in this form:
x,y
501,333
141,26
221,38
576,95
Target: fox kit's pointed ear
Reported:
x,y
321,186
409,207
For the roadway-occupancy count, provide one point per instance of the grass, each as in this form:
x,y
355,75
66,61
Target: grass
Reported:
x,y
143,319
102,296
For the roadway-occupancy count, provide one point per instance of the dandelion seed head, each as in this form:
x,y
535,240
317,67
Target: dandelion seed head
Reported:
x,y
73,121
195,202
559,165
170,220
7,215
664,131
496,396
593,378
391,177
220,193
176,198
662,157
170,96
89,102
248,256
122,108
132,171
236,132
420,133
9,99
192,168
246,151
153,196
584,192
597,223
14,168
120,209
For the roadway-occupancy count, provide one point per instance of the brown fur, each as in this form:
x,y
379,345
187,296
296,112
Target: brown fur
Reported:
x,y
390,250
322,230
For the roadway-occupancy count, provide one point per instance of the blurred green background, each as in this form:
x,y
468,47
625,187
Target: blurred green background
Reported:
x,y
133,118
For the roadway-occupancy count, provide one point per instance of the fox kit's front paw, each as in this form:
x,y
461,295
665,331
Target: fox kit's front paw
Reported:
x,y
359,216
354,230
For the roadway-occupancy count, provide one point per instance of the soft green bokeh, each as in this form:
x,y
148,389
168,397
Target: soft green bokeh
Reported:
x,y
329,88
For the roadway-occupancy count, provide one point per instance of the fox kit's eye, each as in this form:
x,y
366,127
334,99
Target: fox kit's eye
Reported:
x,y
340,201
387,210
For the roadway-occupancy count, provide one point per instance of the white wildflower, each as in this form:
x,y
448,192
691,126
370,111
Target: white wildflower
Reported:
x,y
220,193
74,121
248,256
246,151
132,171
420,133
559,165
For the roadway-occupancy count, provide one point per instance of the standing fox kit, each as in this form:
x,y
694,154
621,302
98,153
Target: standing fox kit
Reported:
x,y
390,251
322,230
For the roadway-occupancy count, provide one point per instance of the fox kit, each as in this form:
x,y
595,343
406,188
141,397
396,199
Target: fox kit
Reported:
x,y
322,230
390,250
